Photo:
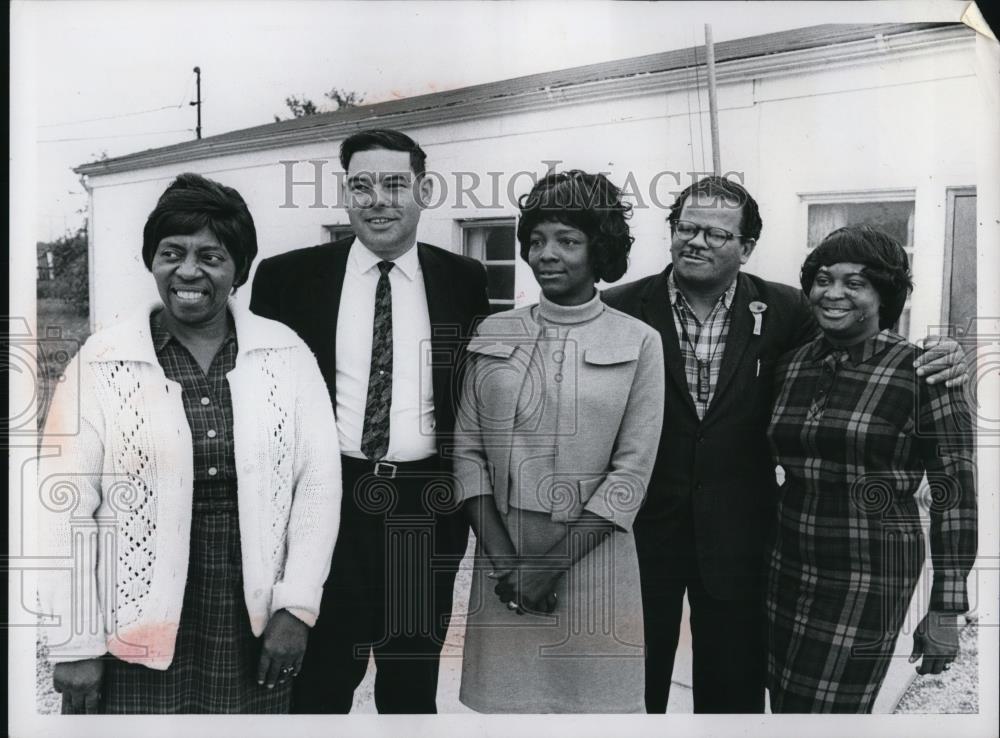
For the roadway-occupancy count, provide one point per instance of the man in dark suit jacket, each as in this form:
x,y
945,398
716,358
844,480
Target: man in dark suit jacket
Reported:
x,y
710,504
711,499
387,319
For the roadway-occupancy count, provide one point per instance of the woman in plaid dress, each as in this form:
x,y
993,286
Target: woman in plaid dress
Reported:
x,y
200,446
855,432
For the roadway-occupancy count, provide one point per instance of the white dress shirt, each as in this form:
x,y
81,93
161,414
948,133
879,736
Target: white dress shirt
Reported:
x,y
411,420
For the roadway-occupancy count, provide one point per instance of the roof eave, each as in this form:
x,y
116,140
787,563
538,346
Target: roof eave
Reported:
x,y
532,93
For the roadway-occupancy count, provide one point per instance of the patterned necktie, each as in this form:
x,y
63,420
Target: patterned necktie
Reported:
x,y
375,435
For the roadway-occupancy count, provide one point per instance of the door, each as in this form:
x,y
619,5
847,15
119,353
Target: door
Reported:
x,y
958,303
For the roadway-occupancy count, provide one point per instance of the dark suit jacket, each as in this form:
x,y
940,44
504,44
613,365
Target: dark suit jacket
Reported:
x,y
302,289
716,474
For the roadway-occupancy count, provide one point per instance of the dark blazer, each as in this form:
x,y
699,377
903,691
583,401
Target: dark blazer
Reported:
x,y
302,289
717,472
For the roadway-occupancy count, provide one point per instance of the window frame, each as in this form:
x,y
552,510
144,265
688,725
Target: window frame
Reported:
x,y
466,225
330,229
863,197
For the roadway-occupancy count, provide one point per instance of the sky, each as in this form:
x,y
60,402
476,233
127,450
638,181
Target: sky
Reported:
x,y
115,77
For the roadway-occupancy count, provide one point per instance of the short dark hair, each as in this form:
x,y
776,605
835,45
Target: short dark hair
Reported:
x,y
715,188
589,203
193,202
383,138
885,262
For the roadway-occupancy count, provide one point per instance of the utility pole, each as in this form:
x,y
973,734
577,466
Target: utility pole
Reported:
x,y
713,104
197,102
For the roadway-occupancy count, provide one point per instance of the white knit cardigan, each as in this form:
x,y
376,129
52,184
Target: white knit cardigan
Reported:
x,y
116,498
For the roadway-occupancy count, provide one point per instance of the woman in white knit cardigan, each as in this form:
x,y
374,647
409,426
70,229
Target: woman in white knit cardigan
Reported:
x,y
195,495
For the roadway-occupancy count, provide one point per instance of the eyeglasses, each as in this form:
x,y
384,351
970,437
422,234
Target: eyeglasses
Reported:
x,y
685,230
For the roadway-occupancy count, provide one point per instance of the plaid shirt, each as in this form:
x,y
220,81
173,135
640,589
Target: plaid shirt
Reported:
x,y
705,340
207,401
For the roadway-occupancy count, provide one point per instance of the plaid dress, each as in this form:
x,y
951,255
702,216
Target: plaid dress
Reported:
x,y
216,654
855,430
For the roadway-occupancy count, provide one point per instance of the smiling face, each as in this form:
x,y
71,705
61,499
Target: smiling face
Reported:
x,y
384,199
845,303
698,266
559,256
194,276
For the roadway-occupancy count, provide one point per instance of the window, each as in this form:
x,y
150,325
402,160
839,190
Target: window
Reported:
x,y
337,232
494,243
889,212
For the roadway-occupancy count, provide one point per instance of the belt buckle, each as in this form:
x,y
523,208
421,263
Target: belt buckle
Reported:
x,y
388,466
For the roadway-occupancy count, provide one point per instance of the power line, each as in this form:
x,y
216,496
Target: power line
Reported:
x,y
119,135
187,92
112,117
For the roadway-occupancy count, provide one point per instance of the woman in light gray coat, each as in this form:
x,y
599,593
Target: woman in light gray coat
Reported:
x,y
557,433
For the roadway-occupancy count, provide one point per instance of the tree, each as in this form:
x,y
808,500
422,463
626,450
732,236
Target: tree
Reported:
x,y
300,106
62,270
343,98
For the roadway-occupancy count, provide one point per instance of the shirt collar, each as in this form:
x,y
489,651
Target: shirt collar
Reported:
x,y
161,335
365,259
857,353
675,294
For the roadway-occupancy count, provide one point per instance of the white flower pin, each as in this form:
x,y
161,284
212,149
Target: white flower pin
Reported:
x,y
757,308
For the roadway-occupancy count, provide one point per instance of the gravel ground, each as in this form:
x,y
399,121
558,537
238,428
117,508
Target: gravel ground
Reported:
x,y
48,701
953,691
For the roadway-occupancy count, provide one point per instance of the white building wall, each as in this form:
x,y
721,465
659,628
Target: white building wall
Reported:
x,y
902,123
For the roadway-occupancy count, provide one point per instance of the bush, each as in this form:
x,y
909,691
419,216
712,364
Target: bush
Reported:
x,y
69,269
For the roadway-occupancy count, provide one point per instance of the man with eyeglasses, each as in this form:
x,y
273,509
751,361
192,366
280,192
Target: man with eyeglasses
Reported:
x,y
711,501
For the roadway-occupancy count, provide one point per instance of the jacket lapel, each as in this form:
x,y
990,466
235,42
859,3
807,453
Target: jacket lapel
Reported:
x,y
322,293
740,331
656,311
445,321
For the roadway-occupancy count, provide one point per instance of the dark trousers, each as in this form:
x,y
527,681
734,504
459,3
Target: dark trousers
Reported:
x,y
389,592
727,635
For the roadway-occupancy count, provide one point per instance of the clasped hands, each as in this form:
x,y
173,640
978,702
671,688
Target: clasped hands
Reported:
x,y
526,585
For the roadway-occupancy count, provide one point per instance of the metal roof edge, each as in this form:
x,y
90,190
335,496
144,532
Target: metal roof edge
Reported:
x,y
756,54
